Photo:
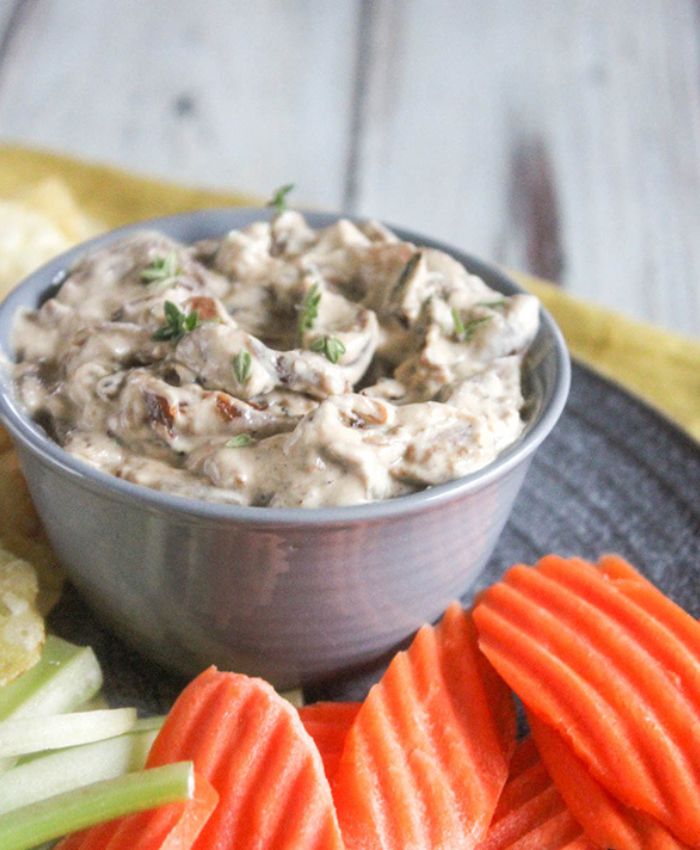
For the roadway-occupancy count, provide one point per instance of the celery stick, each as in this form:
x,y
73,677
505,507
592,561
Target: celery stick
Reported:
x,y
23,829
143,724
149,724
65,677
33,734
64,770
98,701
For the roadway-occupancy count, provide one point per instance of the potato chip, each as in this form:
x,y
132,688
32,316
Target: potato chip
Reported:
x,y
17,513
52,199
21,532
37,225
21,624
27,240
34,226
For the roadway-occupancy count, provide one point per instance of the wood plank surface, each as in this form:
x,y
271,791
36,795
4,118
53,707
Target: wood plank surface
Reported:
x,y
224,94
559,138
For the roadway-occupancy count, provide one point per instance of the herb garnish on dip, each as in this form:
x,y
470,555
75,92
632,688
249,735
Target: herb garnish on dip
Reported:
x,y
343,365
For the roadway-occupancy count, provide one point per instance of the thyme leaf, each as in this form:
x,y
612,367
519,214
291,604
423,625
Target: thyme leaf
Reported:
x,y
493,305
465,332
238,441
177,323
161,269
278,201
406,273
242,363
308,312
330,346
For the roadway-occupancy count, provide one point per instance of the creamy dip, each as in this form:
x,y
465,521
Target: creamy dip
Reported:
x,y
278,365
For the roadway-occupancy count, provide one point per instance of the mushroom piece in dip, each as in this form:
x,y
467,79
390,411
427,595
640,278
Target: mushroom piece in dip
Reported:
x,y
278,365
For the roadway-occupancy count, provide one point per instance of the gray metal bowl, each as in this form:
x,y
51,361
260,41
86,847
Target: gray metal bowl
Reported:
x,y
295,595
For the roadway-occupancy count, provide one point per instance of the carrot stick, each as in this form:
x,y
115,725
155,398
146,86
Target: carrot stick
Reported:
x,y
250,744
427,757
328,724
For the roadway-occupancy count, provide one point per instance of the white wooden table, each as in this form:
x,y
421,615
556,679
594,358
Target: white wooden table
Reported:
x,y
558,137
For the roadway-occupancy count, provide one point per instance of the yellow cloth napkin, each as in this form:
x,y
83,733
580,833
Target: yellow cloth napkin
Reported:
x,y
661,367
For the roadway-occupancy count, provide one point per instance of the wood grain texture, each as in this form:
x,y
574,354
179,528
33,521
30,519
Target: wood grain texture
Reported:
x,y
12,16
560,138
224,93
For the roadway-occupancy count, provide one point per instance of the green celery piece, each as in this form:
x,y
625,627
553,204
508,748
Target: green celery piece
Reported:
x,y
143,724
93,704
22,735
24,828
65,677
149,724
64,770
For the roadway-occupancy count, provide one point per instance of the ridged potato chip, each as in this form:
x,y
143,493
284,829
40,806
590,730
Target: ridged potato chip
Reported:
x,y
21,623
35,226
27,239
53,199
21,533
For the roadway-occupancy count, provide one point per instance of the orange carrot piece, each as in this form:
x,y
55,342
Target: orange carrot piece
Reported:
x,y
622,689
251,745
82,840
328,723
427,757
682,627
172,827
604,819
527,779
530,812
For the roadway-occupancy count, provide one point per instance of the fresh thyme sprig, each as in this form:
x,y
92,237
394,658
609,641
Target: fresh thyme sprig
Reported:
x,y
278,201
177,323
331,346
239,441
308,313
161,269
242,363
465,332
407,273
493,305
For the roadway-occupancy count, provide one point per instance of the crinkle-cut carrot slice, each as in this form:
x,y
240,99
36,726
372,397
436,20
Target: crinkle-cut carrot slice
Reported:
x,y
328,723
79,840
427,757
527,778
530,812
589,661
617,568
172,827
252,747
76,841
551,831
656,604
605,820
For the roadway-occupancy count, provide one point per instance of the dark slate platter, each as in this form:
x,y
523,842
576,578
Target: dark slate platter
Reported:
x,y
614,476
